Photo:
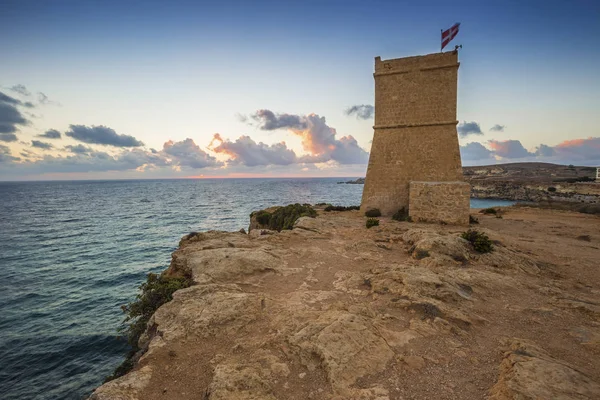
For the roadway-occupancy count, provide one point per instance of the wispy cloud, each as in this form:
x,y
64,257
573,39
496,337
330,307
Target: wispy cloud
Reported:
x,y
362,111
21,89
45,100
6,156
41,145
79,149
51,134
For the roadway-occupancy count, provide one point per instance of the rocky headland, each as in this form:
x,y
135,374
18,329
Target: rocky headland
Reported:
x,y
333,310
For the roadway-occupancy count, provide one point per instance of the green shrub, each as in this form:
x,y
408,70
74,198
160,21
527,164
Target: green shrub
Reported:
x,y
473,220
283,217
489,211
372,213
552,189
322,204
371,222
156,291
480,241
341,208
401,215
263,217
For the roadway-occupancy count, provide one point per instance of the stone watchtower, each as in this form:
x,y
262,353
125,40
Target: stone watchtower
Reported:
x,y
415,158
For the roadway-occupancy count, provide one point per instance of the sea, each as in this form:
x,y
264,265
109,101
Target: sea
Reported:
x,y
71,253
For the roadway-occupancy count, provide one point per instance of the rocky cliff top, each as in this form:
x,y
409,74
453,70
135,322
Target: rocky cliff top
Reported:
x,y
332,310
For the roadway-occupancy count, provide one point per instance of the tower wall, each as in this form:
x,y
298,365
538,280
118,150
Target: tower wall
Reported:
x,y
415,128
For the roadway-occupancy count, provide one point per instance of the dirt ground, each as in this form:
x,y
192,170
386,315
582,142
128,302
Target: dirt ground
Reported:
x,y
332,310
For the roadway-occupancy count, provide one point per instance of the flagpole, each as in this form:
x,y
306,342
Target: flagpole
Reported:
x,y
441,41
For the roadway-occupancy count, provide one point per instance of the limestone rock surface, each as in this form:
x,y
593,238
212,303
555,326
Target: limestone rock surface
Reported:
x,y
334,311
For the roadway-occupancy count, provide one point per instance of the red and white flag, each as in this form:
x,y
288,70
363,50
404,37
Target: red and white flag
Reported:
x,y
449,34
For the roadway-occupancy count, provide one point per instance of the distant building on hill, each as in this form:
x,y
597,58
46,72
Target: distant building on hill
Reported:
x,y
598,174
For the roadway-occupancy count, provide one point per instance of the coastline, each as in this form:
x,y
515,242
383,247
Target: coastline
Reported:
x,y
252,318
528,192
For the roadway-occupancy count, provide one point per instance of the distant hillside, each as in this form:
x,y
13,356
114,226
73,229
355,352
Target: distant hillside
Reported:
x,y
530,172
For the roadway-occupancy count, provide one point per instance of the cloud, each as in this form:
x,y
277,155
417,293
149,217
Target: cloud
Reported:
x,y
468,128
175,156
21,89
362,111
41,145
585,151
318,139
101,135
43,99
544,151
579,149
8,137
241,117
6,156
188,154
509,149
269,121
347,151
475,151
95,161
51,134
4,98
10,116
497,128
79,149
247,152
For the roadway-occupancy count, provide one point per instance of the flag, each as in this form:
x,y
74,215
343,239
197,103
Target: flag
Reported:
x,y
449,34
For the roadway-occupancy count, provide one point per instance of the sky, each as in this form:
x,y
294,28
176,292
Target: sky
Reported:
x,y
181,89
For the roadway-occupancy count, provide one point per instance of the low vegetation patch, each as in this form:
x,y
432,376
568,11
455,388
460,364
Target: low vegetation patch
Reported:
x,y
489,211
371,222
341,208
156,291
584,208
402,215
552,189
373,213
421,254
284,217
263,217
480,241
575,180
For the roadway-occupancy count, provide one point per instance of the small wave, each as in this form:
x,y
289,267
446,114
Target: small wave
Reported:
x,y
66,221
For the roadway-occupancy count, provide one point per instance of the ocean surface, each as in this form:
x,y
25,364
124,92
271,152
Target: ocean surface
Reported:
x,y
71,253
